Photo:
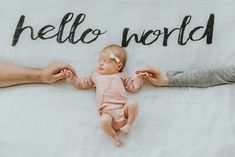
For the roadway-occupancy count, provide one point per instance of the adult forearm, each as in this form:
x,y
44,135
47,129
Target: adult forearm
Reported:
x,y
203,77
13,75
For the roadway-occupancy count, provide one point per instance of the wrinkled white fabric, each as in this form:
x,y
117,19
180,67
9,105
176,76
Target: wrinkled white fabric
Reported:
x,y
57,120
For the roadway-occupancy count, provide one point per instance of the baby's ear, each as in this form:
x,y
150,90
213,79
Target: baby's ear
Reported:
x,y
119,67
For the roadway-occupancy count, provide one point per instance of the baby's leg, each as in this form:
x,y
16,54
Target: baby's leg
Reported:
x,y
132,111
106,125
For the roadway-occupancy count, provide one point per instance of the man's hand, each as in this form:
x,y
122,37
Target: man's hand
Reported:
x,y
52,73
154,76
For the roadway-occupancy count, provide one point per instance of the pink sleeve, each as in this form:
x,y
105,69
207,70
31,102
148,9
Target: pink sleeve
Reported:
x,y
85,82
133,85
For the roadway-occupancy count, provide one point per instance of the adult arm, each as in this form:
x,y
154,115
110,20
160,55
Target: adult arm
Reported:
x,y
196,78
14,75
203,77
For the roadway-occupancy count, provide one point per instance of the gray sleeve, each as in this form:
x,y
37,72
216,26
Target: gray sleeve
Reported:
x,y
203,77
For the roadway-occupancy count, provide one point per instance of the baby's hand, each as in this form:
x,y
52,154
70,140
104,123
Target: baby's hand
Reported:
x,y
68,75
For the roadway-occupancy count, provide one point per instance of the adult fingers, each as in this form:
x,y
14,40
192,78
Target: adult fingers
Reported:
x,y
147,69
69,67
61,66
150,79
59,76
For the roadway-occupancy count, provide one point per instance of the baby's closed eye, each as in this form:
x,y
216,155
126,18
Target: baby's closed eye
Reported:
x,y
104,61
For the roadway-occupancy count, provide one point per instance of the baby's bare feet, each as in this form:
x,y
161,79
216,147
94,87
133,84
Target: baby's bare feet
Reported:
x,y
126,129
117,141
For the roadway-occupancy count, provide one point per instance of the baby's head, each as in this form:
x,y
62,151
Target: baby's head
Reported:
x,y
112,59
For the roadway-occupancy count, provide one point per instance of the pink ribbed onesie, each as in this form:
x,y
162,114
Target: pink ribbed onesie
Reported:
x,y
111,94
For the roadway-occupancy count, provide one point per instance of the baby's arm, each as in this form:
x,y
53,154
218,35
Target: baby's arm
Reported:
x,y
81,83
133,85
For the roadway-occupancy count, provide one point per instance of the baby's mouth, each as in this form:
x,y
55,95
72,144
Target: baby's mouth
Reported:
x,y
100,68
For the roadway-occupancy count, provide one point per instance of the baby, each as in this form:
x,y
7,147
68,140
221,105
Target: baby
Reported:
x,y
117,113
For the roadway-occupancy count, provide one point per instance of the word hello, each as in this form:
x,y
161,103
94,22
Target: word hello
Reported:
x,y
43,32
90,35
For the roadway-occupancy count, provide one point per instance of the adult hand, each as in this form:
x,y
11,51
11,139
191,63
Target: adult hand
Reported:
x,y
154,75
52,72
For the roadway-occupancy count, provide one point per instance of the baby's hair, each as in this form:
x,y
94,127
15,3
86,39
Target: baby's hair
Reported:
x,y
119,52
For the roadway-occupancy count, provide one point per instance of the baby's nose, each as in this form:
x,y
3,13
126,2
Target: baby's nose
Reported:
x,y
101,63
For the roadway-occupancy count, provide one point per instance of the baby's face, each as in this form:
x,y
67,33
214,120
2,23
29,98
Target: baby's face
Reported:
x,y
106,65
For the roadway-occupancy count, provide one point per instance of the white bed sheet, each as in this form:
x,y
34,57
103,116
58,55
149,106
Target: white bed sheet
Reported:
x,y
58,120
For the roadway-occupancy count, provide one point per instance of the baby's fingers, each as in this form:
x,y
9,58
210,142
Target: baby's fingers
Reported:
x,y
146,74
68,73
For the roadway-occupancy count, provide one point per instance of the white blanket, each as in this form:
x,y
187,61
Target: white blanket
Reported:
x,y
58,120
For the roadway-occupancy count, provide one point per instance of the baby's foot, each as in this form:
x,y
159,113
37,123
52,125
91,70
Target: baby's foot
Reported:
x,y
126,129
117,141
